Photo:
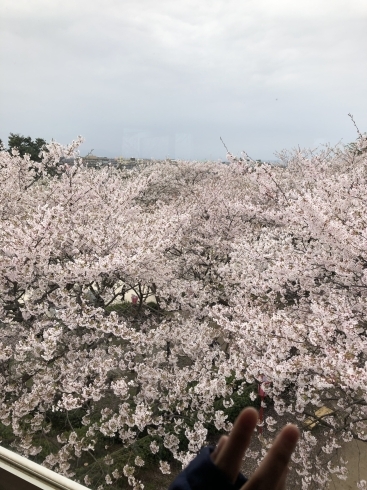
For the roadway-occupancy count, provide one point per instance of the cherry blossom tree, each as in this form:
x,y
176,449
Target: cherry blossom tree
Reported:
x,y
298,315
258,273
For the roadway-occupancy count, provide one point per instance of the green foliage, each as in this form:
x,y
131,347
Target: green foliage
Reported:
x,y
62,421
120,308
25,145
241,401
126,308
153,305
6,435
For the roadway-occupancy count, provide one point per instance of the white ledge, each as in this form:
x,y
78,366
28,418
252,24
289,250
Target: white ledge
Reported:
x,y
34,473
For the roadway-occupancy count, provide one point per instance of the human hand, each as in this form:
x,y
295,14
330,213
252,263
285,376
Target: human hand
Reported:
x,y
273,470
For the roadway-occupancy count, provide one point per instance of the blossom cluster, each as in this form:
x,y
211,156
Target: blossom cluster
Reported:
x,y
257,272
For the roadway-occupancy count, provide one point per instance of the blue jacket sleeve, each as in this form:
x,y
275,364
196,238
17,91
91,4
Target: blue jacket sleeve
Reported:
x,y
202,474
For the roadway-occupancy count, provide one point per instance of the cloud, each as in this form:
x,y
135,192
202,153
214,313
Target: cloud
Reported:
x,y
98,67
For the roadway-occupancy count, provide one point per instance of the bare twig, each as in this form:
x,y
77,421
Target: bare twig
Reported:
x,y
355,125
224,145
89,154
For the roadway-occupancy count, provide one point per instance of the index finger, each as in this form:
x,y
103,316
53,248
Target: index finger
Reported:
x,y
229,456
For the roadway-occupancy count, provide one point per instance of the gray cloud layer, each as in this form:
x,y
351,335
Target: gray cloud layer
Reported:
x,y
163,78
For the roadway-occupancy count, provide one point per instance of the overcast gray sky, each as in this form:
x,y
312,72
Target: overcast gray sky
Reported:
x,y
158,78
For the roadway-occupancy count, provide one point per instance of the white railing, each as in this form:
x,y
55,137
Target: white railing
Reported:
x,y
17,467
